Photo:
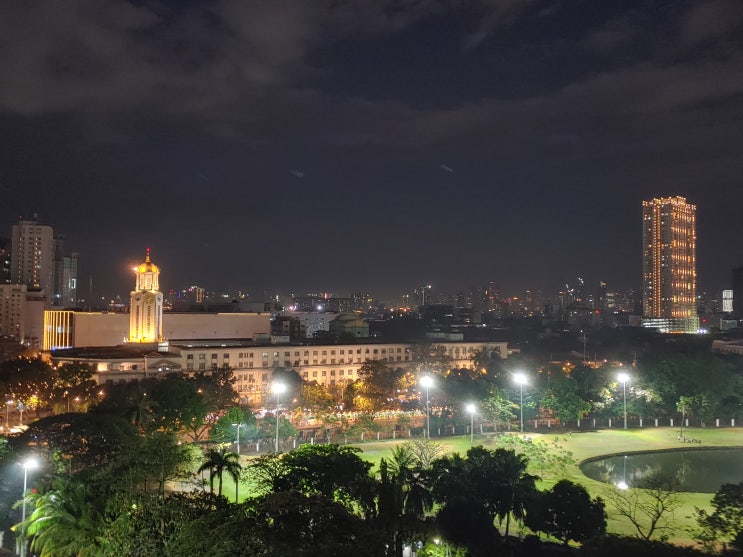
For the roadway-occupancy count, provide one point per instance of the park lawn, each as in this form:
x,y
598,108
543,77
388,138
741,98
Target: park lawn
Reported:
x,y
589,444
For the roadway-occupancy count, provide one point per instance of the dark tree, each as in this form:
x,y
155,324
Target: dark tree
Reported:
x,y
28,381
496,481
403,498
331,470
80,441
469,526
725,523
74,381
566,512
225,428
290,523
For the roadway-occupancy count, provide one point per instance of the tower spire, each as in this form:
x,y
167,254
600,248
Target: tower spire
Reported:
x,y
146,306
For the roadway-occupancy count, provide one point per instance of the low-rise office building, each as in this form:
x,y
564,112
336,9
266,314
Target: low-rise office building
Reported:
x,y
253,365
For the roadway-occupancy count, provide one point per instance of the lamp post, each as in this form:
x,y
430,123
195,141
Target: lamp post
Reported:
x,y
471,408
237,441
623,377
28,464
277,388
521,379
426,381
7,413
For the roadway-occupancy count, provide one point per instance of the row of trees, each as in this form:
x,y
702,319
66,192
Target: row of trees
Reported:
x,y
699,384
319,499
124,463
33,384
327,500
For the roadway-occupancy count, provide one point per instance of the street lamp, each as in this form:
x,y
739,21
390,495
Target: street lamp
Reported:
x,y
237,483
277,388
521,379
28,464
471,408
427,381
237,441
623,377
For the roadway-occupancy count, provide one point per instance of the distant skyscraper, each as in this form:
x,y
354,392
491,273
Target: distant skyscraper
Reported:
x,y
32,256
146,309
727,301
4,261
602,302
65,275
669,237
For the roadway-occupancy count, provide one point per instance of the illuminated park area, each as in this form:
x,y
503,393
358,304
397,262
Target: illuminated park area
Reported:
x,y
565,456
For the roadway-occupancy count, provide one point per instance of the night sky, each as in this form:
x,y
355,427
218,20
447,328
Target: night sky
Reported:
x,y
351,145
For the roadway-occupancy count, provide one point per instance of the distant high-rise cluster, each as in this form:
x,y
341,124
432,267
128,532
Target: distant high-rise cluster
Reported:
x,y
669,264
35,273
38,261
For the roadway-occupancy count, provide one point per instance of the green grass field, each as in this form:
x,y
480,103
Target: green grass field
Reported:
x,y
585,445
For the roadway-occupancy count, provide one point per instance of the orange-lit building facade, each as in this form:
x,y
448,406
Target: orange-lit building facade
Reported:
x,y
146,306
669,237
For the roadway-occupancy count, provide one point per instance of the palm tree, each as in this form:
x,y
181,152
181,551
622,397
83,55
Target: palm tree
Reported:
x,y
403,497
141,411
68,520
513,484
217,462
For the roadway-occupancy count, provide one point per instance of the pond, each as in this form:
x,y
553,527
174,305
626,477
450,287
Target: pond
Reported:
x,y
697,470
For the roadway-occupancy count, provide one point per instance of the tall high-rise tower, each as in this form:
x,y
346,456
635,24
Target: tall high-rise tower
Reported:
x,y
32,256
669,265
65,275
146,308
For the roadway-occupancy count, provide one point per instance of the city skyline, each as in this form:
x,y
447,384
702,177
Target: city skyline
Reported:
x,y
372,146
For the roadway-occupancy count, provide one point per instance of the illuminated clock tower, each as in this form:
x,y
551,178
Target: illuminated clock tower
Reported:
x,y
146,307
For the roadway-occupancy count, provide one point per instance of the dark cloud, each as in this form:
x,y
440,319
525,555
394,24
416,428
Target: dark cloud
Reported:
x,y
709,20
251,127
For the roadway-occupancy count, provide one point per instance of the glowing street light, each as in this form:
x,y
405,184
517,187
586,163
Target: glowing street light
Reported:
x,y
521,380
237,441
427,381
277,388
471,408
623,378
28,464
623,483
